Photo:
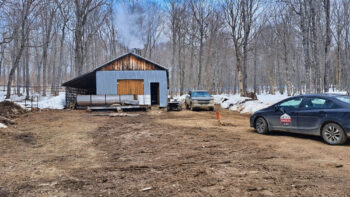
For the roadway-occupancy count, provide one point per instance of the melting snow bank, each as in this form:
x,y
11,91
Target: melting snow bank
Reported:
x,y
53,102
45,102
245,104
181,98
242,104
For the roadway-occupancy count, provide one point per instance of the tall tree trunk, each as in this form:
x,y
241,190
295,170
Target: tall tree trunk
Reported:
x,y
338,65
239,65
1,62
286,63
327,46
208,62
305,42
255,88
24,71
304,26
192,60
179,59
21,37
38,62
316,61
199,84
46,39
18,80
173,54
44,66
244,69
14,67
54,65
27,77
60,63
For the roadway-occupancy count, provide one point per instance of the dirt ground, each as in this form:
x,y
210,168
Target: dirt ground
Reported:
x,y
158,153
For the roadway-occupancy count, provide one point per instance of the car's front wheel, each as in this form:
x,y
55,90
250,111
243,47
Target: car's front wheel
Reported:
x,y
261,125
333,134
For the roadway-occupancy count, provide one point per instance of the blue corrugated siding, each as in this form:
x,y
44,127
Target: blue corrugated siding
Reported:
x,y
106,82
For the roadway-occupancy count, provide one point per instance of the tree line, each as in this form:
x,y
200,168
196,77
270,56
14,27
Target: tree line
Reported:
x,y
225,46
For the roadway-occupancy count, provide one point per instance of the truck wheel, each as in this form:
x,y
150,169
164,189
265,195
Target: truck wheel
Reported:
x,y
333,134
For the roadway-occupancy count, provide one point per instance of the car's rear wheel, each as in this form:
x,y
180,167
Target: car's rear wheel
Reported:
x,y
333,134
261,125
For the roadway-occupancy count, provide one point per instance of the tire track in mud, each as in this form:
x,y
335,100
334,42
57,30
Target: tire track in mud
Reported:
x,y
175,159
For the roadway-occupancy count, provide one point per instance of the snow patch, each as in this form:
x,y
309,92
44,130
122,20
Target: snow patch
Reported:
x,y
53,102
245,104
2,126
241,104
44,102
180,98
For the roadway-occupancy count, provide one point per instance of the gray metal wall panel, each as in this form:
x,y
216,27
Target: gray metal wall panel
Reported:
x,y
106,82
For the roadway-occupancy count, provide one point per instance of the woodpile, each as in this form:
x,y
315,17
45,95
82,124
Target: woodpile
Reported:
x,y
252,95
10,109
6,120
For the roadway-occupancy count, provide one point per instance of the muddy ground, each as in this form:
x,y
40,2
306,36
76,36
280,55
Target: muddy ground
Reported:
x,y
158,153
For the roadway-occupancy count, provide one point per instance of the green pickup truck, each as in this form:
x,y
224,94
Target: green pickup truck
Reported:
x,y
199,99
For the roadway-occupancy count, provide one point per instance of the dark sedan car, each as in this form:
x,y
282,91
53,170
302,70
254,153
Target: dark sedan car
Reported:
x,y
326,115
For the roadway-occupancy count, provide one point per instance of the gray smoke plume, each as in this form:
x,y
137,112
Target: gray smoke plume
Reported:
x,y
128,26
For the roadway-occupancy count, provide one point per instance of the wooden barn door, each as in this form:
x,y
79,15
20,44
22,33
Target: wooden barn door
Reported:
x,y
130,87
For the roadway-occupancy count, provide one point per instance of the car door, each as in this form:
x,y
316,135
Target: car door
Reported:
x,y
285,115
311,114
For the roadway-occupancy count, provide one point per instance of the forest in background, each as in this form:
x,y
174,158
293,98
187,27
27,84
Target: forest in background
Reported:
x,y
225,46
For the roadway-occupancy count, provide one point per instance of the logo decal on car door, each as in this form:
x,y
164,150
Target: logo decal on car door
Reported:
x,y
285,119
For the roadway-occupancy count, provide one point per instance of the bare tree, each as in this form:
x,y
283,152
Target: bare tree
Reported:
x,y
26,78
175,10
326,6
283,23
48,14
201,11
20,33
64,16
240,16
83,9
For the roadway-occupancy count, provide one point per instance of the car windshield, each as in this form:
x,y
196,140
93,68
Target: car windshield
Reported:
x,y
344,98
200,94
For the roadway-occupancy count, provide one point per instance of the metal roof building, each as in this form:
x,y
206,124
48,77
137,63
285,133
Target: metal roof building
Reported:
x,y
129,74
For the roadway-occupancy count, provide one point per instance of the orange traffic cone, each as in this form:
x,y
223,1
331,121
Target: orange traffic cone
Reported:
x,y
218,116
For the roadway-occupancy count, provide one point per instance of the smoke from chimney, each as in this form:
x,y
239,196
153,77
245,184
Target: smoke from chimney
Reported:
x,y
136,51
128,27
